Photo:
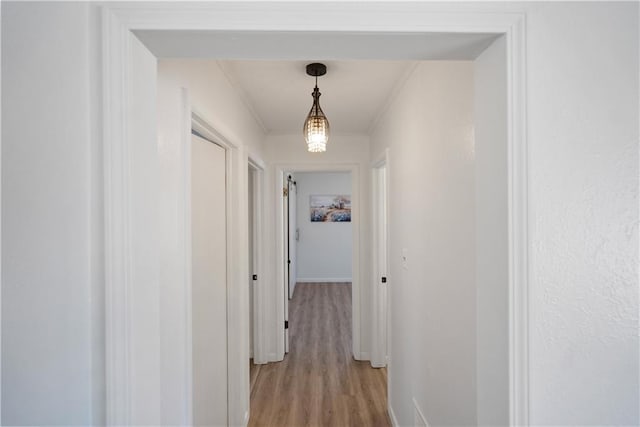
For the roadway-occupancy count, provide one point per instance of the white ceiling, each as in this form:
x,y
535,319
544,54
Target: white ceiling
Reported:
x,y
308,45
279,92
268,68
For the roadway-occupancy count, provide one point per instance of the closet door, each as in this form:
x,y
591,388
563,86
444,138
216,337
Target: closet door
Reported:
x,y
209,282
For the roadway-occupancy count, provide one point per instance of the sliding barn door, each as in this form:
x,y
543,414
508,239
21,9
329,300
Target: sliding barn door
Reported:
x,y
293,233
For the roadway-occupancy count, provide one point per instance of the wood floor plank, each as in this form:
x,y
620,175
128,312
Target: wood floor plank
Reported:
x,y
319,383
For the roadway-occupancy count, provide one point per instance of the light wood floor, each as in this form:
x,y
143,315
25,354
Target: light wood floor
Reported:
x,y
319,383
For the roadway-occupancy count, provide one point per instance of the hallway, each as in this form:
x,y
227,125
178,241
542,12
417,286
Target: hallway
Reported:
x,y
319,382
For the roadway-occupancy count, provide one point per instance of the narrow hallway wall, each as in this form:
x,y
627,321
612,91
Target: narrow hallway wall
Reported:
x,y
429,130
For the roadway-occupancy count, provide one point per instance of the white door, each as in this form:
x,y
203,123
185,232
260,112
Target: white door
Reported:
x,y
293,227
287,290
384,261
209,282
380,348
252,270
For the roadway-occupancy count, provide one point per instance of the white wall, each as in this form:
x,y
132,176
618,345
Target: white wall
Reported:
x,y
324,249
52,287
429,131
214,99
583,138
492,245
343,151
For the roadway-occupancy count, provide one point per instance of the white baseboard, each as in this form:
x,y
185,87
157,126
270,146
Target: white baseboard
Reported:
x,y
419,420
392,415
324,280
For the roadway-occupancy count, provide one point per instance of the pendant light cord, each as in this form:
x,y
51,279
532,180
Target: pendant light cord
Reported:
x,y
316,97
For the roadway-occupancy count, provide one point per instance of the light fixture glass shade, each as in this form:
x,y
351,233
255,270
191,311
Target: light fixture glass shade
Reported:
x,y
316,127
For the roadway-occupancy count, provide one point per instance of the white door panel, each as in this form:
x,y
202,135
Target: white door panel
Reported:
x,y
293,225
209,282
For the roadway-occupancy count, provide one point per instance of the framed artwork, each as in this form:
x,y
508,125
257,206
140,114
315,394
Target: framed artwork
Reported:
x,y
333,208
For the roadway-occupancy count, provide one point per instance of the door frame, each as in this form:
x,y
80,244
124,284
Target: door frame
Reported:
x,y
356,223
379,296
118,23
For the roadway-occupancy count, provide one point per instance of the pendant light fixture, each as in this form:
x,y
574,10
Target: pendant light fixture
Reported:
x,y
316,127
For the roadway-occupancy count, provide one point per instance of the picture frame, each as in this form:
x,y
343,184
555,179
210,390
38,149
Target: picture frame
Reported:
x,y
330,208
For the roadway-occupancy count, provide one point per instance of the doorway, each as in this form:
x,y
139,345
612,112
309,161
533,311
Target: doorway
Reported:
x,y
319,235
119,187
319,382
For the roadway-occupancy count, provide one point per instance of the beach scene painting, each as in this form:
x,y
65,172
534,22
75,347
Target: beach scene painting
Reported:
x,y
335,208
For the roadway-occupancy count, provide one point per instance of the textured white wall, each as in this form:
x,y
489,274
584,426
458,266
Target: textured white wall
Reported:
x,y
429,131
324,249
51,284
583,138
